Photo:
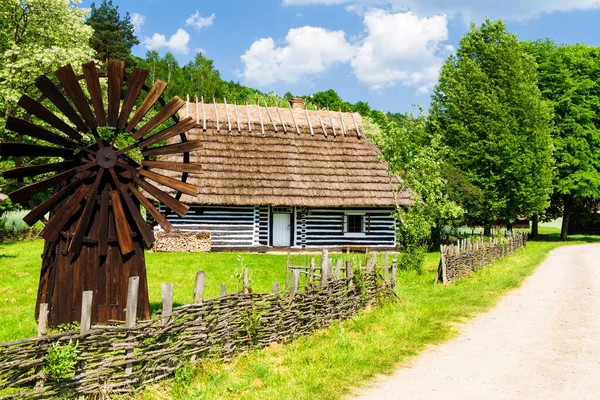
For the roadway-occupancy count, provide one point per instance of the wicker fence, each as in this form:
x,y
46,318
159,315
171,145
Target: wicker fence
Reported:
x,y
468,256
120,359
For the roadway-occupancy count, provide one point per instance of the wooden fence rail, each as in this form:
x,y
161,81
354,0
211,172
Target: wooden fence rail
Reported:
x,y
468,256
120,359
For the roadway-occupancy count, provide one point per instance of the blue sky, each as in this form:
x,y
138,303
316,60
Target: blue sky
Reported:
x,y
386,52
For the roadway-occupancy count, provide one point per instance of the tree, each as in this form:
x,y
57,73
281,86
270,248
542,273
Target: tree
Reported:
x,y
490,113
569,79
416,156
113,36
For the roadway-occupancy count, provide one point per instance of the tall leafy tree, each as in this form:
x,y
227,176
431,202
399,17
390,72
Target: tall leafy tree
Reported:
x,y
490,113
569,79
113,35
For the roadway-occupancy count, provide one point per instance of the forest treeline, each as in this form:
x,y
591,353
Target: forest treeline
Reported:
x,y
513,129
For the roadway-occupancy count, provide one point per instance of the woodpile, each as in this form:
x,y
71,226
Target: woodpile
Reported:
x,y
113,360
182,242
468,256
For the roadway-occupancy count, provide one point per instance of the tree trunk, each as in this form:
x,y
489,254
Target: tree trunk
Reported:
x,y
534,225
487,230
565,222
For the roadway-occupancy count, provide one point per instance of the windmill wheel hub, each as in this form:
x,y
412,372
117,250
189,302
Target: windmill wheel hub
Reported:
x,y
106,157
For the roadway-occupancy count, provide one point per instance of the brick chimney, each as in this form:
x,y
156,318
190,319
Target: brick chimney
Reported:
x,y
296,103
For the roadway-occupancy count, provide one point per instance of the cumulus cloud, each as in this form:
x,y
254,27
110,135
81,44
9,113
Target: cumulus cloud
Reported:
x,y
198,21
469,9
137,20
400,48
306,51
177,43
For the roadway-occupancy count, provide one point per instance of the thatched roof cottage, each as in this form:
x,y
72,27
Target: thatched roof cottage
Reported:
x,y
287,177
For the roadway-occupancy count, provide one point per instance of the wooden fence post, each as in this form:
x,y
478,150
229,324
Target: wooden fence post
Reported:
x,y
295,283
338,267
167,302
325,268
42,329
275,287
349,272
222,290
311,271
246,281
199,287
131,314
287,272
394,271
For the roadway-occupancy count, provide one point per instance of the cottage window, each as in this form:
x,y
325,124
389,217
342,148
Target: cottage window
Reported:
x,y
354,223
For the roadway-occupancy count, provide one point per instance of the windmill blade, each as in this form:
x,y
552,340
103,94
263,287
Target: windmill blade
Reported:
x,y
33,150
121,224
35,108
70,84
104,222
167,111
58,221
30,190
182,126
182,187
115,72
84,219
55,96
153,95
157,215
92,81
168,200
174,166
38,212
28,129
33,170
145,231
176,148
134,87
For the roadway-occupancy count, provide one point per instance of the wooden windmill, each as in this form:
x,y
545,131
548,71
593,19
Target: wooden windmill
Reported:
x,y
95,233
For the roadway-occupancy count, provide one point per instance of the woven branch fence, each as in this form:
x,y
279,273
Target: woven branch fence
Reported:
x,y
120,359
468,256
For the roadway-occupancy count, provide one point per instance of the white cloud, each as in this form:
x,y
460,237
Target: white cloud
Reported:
x,y
469,9
307,51
177,43
137,20
400,48
198,21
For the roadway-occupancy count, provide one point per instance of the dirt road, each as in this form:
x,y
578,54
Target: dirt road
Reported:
x,y
542,341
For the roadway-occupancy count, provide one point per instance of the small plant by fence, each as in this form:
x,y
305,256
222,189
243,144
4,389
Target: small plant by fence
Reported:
x,y
467,256
106,360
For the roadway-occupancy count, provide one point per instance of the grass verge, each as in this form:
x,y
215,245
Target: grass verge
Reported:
x,y
329,363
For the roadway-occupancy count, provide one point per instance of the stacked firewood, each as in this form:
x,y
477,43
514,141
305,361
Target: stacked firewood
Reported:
x,y
185,242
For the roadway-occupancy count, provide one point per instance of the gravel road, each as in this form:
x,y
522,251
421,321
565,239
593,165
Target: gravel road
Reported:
x,y
542,341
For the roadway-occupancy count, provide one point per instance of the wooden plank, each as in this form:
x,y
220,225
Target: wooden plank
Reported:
x,y
92,81
33,170
182,126
28,191
160,218
176,148
153,95
103,221
121,224
60,218
174,204
70,84
134,87
84,220
180,186
174,166
165,113
86,312
29,129
42,209
49,89
33,150
43,320
35,108
134,210
115,72
199,287
131,313
245,281
222,290
295,283
275,288
167,303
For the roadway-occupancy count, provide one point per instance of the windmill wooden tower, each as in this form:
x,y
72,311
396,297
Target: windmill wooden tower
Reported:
x,y
95,233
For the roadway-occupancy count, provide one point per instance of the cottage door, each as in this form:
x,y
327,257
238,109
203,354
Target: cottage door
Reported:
x,y
281,229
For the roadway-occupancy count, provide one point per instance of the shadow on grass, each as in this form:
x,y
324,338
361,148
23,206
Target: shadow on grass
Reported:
x,y
555,237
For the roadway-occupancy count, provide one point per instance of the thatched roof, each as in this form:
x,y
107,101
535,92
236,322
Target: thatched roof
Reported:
x,y
301,165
